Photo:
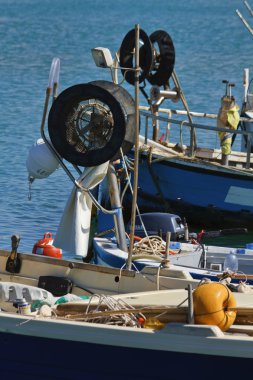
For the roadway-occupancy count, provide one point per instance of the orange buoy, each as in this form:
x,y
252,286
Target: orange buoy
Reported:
x,y
211,303
45,247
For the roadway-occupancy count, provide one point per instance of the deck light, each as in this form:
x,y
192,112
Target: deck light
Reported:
x,y
102,57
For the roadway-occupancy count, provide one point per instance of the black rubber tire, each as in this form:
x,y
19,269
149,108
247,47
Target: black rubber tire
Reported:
x,y
127,57
167,58
62,109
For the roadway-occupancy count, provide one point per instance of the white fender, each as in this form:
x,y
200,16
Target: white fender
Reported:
x,y
41,162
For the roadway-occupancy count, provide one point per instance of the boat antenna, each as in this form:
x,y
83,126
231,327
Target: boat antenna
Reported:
x,y
245,22
226,82
230,89
248,7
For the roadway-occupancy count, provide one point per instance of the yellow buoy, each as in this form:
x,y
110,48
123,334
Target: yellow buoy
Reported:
x,y
211,302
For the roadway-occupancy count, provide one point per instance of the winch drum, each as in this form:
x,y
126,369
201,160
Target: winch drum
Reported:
x,y
86,125
164,60
127,57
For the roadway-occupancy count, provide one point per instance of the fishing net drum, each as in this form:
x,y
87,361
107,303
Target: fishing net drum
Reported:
x,y
87,124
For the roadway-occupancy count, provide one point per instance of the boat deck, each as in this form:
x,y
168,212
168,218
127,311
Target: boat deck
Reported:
x,y
237,160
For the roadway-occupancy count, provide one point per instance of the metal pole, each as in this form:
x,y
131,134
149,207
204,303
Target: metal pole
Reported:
x,y
166,261
245,84
204,248
245,22
136,151
190,305
248,151
168,130
116,205
193,142
248,7
146,130
154,110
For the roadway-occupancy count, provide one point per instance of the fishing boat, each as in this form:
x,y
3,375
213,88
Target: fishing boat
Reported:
x,y
74,134
214,262
162,329
150,247
85,278
177,173
43,296
82,130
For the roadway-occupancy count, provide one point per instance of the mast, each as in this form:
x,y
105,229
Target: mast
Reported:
x,y
136,150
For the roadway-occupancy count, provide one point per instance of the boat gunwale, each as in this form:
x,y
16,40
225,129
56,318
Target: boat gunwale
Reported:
x,y
70,264
210,170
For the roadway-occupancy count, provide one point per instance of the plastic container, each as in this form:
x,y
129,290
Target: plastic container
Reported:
x,y
175,245
153,323
241,251
231,262
45,247
249,246
70,298
24,307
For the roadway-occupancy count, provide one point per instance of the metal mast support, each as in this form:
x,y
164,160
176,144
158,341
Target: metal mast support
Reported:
x,y
116,205
136,150
193,143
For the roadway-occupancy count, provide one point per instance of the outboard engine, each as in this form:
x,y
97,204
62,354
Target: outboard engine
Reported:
x,y
159,223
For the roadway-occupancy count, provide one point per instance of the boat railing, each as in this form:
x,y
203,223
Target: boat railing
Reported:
x,y
145,112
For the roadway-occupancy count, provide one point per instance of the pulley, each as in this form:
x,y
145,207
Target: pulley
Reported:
x,y
157,94
164,58
127,50
86,124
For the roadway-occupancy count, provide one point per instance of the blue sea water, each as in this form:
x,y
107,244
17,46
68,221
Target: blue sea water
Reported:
x,y
211,44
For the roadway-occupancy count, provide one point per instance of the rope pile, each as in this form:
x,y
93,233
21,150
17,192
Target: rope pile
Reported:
x,y
150,245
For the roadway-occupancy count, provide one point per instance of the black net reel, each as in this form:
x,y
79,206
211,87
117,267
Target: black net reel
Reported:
x,y
88,123
127,50
157,57
164,58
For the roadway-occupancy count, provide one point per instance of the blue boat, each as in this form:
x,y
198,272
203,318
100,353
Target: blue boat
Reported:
x,y
180,175
199,189
182,168
107,253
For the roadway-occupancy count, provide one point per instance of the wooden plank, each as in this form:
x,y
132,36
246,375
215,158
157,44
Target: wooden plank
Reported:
x,y
77,308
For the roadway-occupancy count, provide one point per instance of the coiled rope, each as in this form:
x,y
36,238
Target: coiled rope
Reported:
x,y
150,246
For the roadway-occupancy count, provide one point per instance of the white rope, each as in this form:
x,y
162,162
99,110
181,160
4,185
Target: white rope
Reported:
x,y
150,245
131,188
